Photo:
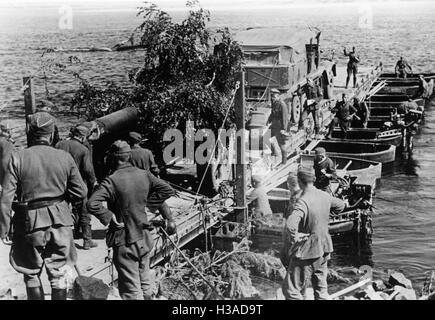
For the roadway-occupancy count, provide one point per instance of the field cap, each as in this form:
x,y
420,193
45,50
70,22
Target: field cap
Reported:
x,y
41,123
320,151
306,174
134,136
274,90
120,147
80,131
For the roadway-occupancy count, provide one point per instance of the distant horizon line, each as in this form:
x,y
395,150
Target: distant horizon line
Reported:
x,y
180,5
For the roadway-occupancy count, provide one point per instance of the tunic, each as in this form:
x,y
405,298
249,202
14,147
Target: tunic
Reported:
x,y
311,216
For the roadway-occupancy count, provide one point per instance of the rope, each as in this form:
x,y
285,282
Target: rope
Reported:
x,y
217,141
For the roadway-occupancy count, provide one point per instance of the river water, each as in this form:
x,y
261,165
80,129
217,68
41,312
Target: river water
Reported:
x,y
404,219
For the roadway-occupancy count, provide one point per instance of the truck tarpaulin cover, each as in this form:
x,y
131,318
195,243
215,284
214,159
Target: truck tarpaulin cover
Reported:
x,y
264,44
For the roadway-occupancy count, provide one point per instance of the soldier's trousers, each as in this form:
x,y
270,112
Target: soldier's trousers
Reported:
x,y
281,145
51,246
344,126
82,219
299,272
132,262
402,73
313,110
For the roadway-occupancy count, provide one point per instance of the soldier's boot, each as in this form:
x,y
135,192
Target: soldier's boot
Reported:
x,y
58,294
36,293
87,237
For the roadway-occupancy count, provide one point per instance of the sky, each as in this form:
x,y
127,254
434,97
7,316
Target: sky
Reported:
x,y
209,4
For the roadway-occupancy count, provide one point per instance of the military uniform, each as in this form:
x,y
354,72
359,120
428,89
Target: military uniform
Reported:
x,y
82,157
342,118
308,259
402,68
279,122
140,157
352,66
44,178
314,94
326,165
127,192
143,159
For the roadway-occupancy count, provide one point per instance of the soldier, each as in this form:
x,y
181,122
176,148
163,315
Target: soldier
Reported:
x,y
279,121
314,96
143,158
43,178
344,115
259,199
127,192
6,149
402,68
324,170
352,66
406,106
140,157
48,106
75,146
362,113
309,246
423,88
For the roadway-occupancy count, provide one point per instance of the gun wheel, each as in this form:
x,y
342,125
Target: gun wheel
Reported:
x,y
296,109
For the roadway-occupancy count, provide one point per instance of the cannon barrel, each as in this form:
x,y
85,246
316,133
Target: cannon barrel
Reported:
x,y
118,121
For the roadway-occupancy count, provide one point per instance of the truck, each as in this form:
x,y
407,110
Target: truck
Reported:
x,y
283,59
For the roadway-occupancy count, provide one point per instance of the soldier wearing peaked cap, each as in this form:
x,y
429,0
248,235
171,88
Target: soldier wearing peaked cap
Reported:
x,y
127,192
309,245
75,146
43,178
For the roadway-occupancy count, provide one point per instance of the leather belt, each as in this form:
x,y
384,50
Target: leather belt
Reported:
x,y
44,202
